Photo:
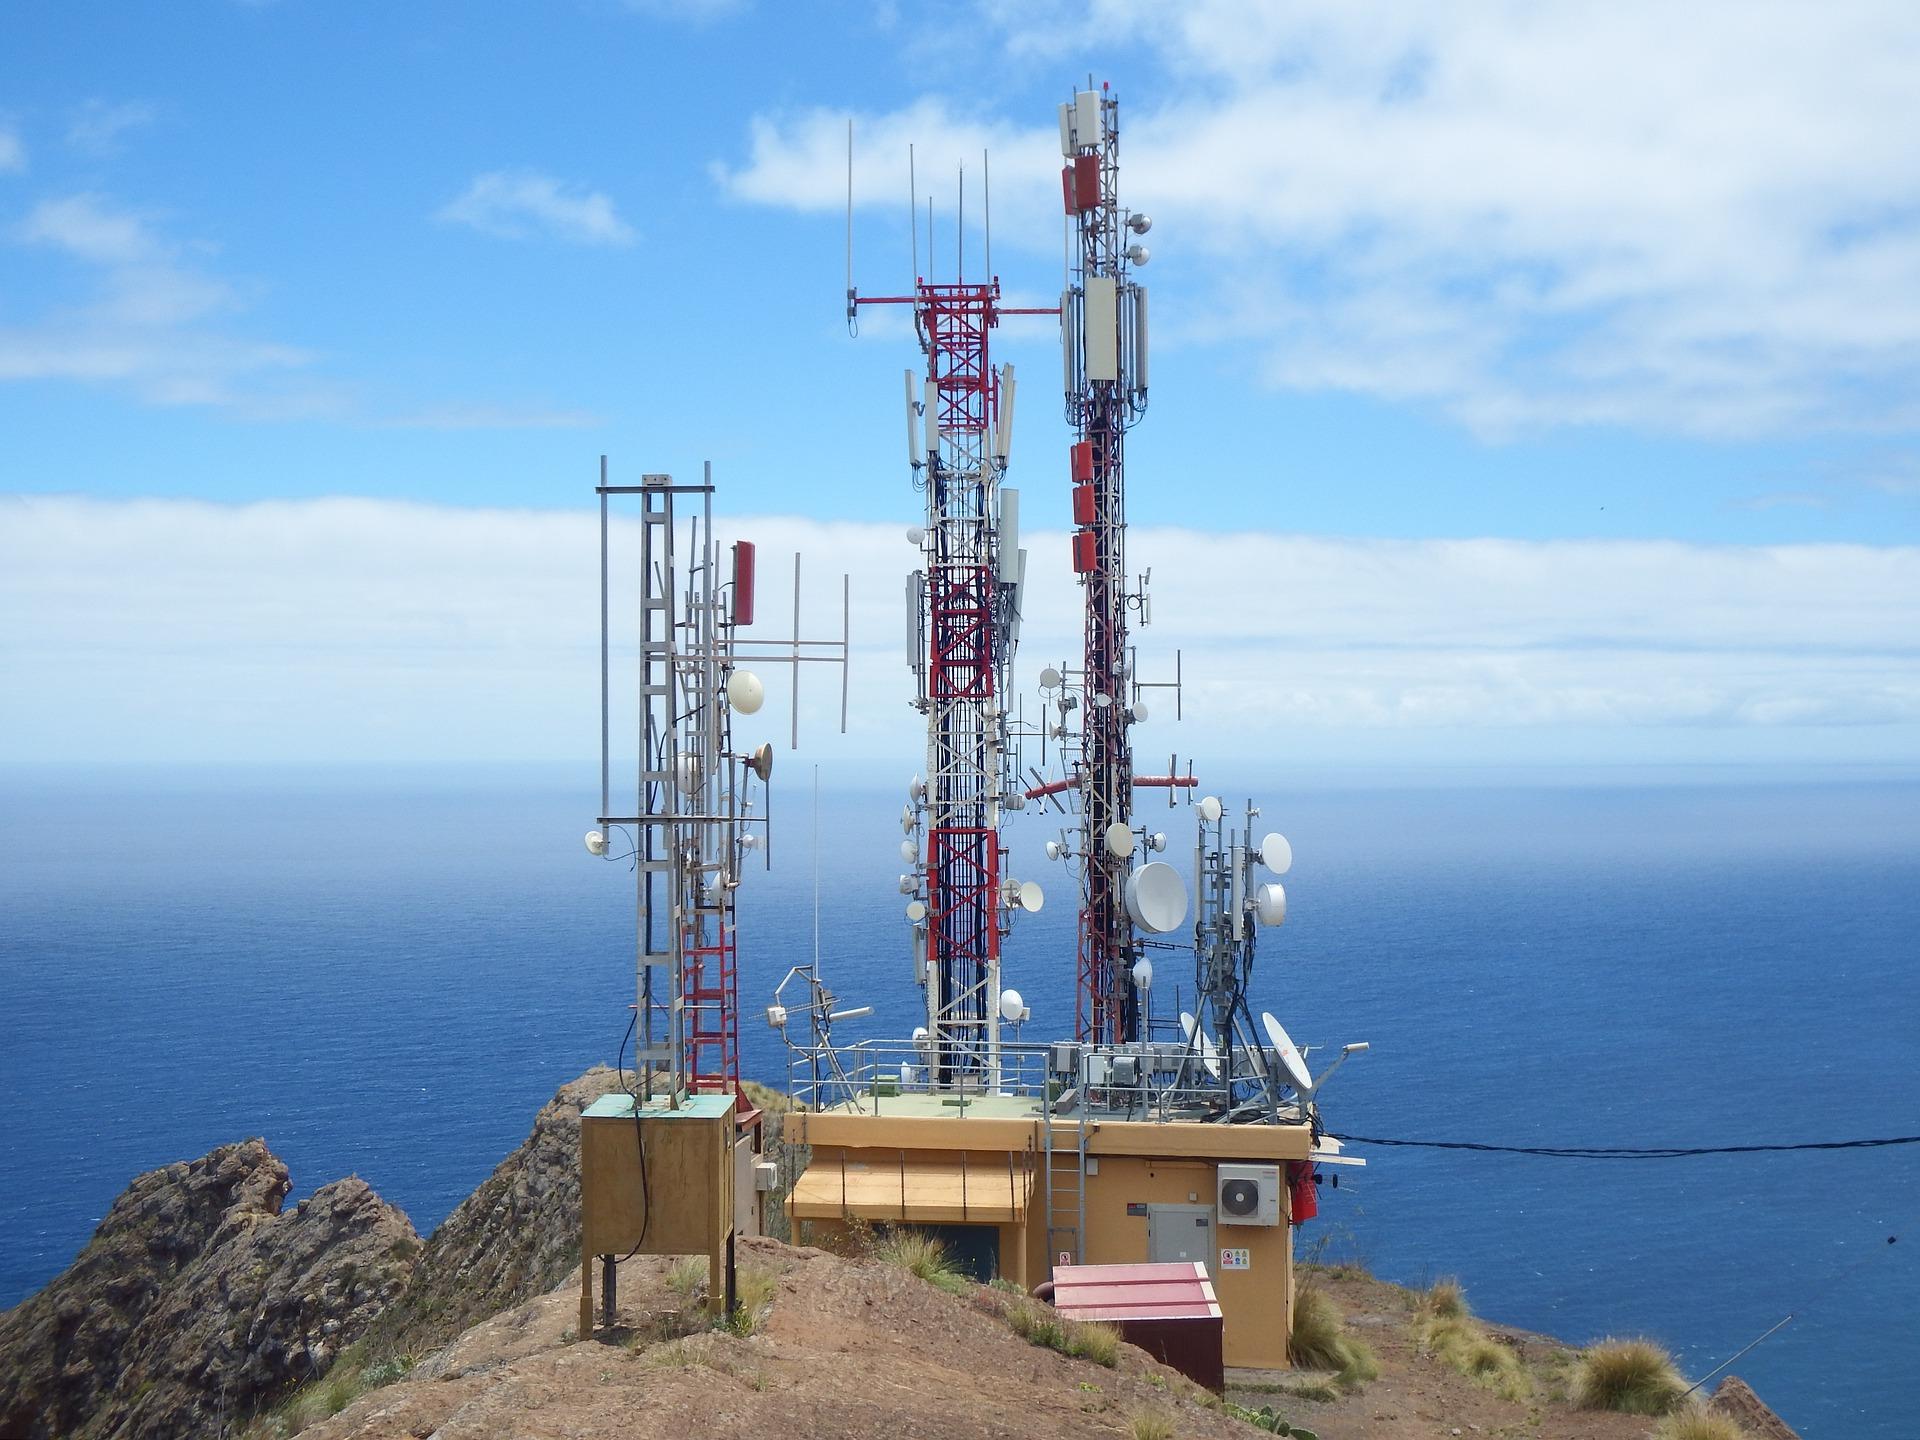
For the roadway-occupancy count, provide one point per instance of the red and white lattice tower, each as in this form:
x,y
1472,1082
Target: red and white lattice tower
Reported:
x,y
1103,328
964,615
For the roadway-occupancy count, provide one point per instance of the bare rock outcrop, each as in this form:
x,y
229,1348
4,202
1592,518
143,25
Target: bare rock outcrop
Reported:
x,y
515,1237
1734,1398
198,1299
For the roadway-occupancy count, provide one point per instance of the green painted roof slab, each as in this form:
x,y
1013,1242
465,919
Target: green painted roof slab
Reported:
x,y
695,1107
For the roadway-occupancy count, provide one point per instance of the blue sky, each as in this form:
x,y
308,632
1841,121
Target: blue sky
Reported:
x,y
1608,274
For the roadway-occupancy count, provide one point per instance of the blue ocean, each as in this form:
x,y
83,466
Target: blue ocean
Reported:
x,y
388,973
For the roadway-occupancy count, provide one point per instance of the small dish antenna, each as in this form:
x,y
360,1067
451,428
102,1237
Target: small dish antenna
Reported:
x,y
596,842
1270,903
1119,840
1138,711
762,762
1276,854
1049,679
909,851
1055,850
1157,897
1143,973
915,535
1209,1053
908,885
916,789
1032,897
1297,1073
916,911
906,819
745,693
1210,808
689,774
1012,1008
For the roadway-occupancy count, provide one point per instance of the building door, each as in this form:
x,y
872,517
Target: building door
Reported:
x,y
974,1249
1180,1232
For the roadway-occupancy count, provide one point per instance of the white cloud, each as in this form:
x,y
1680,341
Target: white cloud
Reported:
x,y
98,125
1703,218
13,154
517,204
373,630
150,322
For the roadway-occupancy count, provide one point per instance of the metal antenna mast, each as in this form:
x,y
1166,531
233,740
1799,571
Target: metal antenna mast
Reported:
x,y
963,623
1104,341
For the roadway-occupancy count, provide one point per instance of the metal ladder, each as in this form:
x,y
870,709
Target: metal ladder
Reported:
x,y
1066,1176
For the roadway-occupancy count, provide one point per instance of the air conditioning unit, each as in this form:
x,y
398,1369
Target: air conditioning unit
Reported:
x,y
1249,1195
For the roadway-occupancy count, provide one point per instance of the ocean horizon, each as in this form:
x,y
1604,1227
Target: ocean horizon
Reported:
x,y
386,972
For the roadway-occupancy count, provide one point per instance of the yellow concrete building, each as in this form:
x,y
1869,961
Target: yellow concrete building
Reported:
x,y
1014,1190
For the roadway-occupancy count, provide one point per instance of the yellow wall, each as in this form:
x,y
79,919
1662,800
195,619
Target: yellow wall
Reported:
x,y
1257,1302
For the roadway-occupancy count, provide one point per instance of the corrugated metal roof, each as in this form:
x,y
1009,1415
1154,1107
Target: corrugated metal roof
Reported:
x,y
1135,1292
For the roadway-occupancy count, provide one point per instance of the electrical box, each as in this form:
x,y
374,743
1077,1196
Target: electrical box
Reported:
x,y
766,1176
1063,1058
1249,1195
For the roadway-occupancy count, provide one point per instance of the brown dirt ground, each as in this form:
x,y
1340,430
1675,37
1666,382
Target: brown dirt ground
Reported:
x,y
1417,1396
859,1349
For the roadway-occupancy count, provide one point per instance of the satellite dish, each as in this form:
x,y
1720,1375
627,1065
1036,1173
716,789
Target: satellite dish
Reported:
x,y
1102,700
1157,897
1209,808
1119,838
908,885
1054,850
1142,973
916,911
689,774
916,789
1290,1061
915,535
1049,679
596,842
1139,711
745,693
1276,854
906,819
1157,841
1209,1053
1032,897
1270,903
762,762
909,851
1012,1007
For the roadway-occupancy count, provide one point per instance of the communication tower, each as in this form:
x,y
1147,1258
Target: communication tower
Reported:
x,y
1103,330
963,606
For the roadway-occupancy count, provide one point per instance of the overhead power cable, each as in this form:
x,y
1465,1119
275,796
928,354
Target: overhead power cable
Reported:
x,y
1627,1152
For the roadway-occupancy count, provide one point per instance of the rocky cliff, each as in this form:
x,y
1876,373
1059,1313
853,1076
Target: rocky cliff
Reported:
x,y
198,1299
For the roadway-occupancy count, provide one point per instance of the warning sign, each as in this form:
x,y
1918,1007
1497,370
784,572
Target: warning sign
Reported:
x,y
1236,1259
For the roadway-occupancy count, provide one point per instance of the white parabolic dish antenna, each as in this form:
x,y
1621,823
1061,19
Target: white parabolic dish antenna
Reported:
x,y
1209,808
1049,679
1157,897
745,693
1209,1052
1032,897
1276,854
1270,903
1120,840
1289,1054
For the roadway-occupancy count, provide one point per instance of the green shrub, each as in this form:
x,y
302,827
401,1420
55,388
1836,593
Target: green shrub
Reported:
x,y
1464,1344
1150,1425
1636,1377
754,1287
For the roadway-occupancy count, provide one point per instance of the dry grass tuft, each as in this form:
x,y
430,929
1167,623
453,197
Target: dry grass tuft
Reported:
x,y
1636,1377
920,1255
1150,1425
1696,1423
1319,1341
1445,1300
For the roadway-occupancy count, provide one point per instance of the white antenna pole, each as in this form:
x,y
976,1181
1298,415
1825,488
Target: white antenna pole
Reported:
x,y
986,195
913,216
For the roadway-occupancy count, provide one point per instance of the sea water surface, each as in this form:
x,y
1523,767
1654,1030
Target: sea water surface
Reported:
x,y
387,973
